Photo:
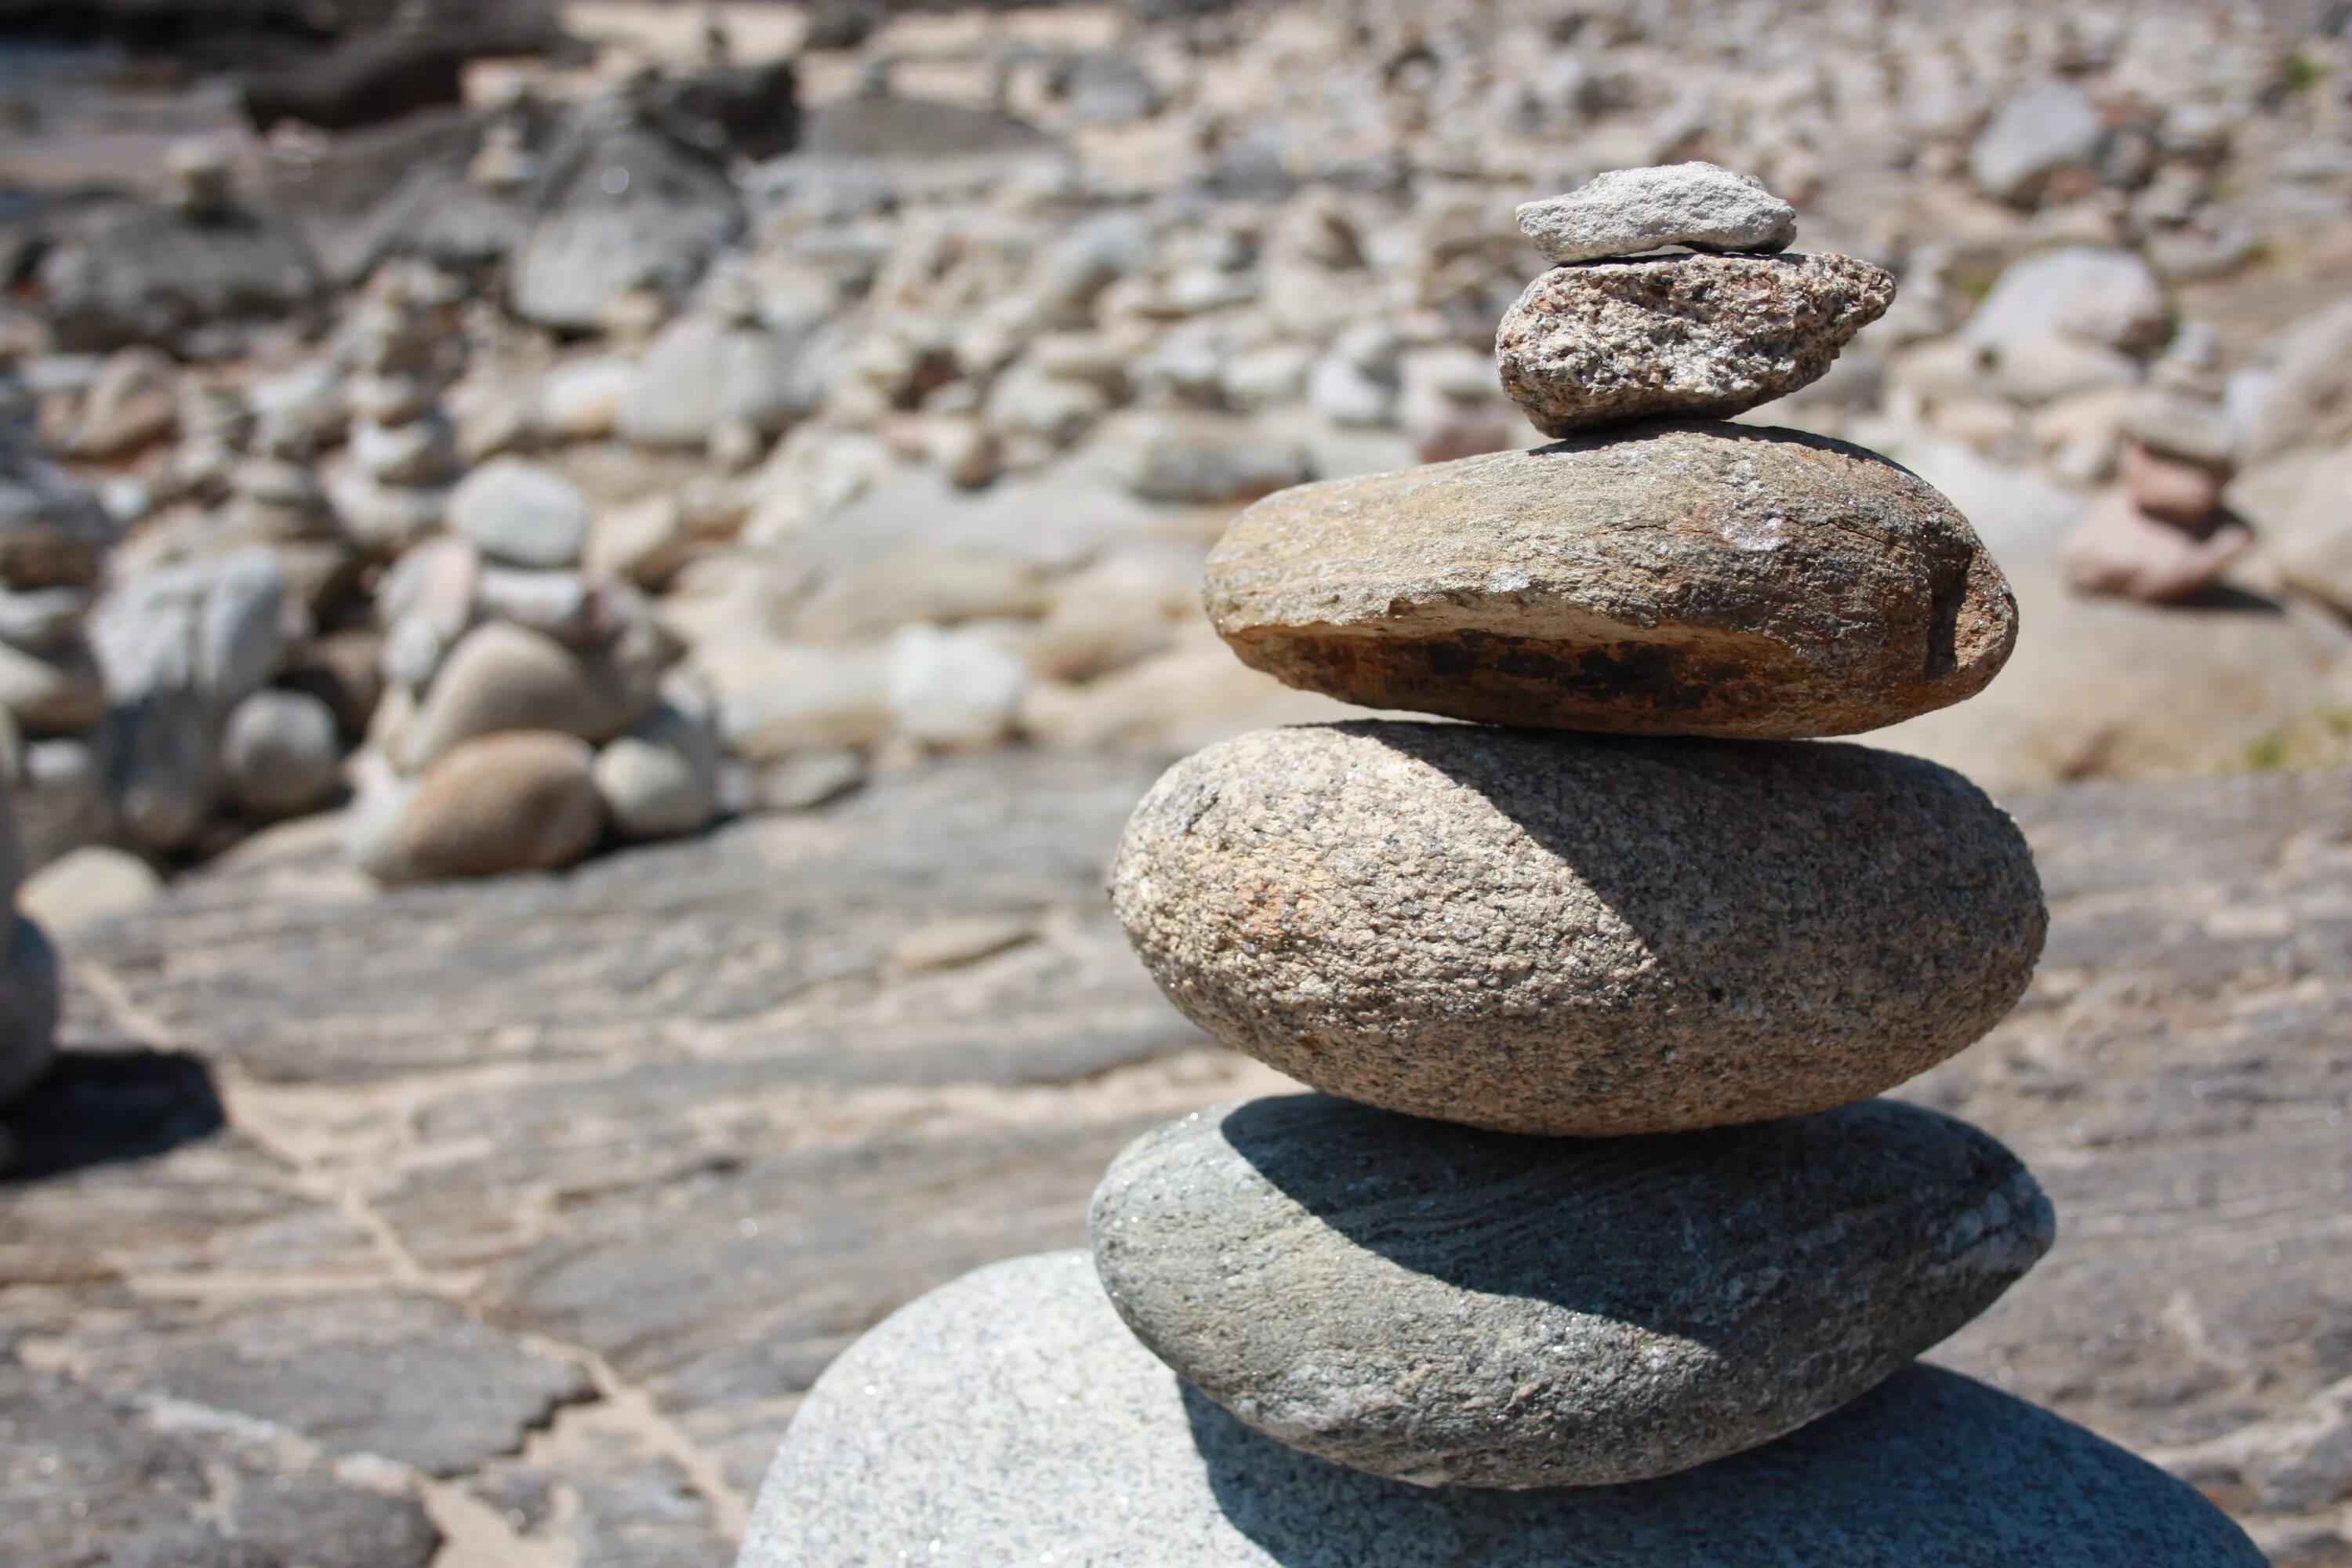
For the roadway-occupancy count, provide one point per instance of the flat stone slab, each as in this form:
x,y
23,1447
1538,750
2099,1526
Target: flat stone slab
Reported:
x,y
1010,1417
1623,212
1680,337
1679,579
1446,1306
1564,933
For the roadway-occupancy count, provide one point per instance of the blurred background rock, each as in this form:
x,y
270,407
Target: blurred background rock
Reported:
x,y
764,396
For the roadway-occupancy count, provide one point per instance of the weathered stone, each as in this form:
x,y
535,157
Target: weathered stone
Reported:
x,y
662,778
521,801
1680,336
522,513
29,1008
1570,933
1453,1306
1012,1415
2045,127
1624,212
1699,579
84,887
279,753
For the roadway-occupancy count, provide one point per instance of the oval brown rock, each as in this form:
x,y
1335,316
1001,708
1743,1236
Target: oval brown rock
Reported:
x,y
1574,934
1696,579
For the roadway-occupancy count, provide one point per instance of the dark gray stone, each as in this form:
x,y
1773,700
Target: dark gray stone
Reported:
x,y
130,272
29,1008
1446,1306
1698,579
1011,1418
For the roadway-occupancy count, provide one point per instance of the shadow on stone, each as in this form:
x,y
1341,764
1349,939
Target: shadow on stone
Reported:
x,y
1655,1231
93,1107
2228,600
1928,1470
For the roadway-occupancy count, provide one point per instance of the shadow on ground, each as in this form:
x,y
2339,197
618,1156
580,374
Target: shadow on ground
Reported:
x,y
97,1107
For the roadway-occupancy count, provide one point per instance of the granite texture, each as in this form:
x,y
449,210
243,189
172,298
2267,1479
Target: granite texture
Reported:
x,y
1010,1417
1447,1306
1679,579
1680,336
1625,211
1586,934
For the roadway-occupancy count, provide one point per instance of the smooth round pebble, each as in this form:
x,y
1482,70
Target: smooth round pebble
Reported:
x,y
1010,1417
1449,1306
1684,579
281,754
521,801
1553,933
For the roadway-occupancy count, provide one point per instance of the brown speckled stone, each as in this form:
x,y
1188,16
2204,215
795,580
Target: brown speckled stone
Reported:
x,y
1677,579
1680,336
1456,1307
1578,934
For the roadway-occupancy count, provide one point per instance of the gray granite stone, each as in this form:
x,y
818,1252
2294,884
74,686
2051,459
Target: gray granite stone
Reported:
x,y
1011,1418
1553,933
1680,337
1447,1306
1622,212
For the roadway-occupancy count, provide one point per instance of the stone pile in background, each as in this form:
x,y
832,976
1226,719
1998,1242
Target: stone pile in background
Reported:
x,y
1607,1252
777,414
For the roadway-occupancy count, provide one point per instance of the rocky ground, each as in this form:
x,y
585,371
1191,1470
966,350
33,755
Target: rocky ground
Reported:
x,y
506,1225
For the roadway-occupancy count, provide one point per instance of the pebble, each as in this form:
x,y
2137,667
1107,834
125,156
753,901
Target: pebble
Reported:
x,y
87,886
1368,1287
1010,1417
1627,211
280,754
522,801
504,677
521,513
1680,336
2170,488
1573,933
53,692
1700,579
661,779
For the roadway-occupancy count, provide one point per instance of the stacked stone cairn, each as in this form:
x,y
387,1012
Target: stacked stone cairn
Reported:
x,y
1595,1249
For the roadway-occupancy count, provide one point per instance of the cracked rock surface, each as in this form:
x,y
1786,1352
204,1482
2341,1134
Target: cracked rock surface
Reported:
x,y
682,1121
